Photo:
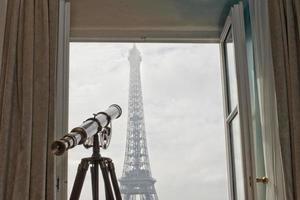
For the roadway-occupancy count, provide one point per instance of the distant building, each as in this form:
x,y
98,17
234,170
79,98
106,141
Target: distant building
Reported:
x,y
136,181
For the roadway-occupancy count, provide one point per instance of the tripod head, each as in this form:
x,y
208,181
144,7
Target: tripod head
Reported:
x,y
84,133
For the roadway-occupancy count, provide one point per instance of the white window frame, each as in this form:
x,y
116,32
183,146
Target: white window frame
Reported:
x,y
235,23
62,98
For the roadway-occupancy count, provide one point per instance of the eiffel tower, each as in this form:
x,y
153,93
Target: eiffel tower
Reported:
x,y
136,182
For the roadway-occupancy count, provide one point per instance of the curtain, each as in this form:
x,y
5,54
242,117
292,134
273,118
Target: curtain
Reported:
x,y
284,20
274,165
3,6
27,94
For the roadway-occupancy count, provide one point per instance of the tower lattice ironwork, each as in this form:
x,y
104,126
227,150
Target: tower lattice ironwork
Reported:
x,y
136,181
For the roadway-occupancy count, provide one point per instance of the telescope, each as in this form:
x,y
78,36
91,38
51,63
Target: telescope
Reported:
x,y
85,132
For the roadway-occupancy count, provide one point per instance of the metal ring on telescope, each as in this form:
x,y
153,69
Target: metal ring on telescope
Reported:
x,y
74,143
108,119
97,121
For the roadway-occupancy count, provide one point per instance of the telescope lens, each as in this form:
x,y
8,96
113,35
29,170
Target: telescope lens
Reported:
x,y
119,109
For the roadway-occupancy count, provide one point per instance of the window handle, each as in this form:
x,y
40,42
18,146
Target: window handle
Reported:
x,y
263,180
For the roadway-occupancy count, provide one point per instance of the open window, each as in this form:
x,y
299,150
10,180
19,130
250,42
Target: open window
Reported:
x,y
237,107
236,92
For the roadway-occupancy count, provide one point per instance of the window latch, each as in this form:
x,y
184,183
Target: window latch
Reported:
x,y
263,180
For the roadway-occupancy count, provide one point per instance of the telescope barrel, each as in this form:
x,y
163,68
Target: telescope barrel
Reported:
x,y
86,130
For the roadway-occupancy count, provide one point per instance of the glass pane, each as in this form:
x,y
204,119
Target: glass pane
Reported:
x,y
237,159
230,72
255,112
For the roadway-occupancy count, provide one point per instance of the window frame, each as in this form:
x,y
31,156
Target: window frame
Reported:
x,y
62,98
235,23
243,107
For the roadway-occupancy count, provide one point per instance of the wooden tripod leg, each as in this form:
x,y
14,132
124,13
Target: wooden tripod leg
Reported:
x,y
95,180
108,190
114,180
80,176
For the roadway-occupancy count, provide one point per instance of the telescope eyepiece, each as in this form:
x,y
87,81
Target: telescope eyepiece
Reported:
x,y
58,147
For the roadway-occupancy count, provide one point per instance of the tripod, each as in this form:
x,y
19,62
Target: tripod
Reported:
x,y
112,191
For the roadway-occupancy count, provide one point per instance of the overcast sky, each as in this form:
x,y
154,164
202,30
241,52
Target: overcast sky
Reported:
x,y
182,94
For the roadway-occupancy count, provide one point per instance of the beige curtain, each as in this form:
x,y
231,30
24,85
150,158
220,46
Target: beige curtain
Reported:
x,y
3,5
284,19
27,92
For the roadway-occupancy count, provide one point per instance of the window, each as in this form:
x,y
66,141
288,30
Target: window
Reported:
x,y
183,112
236,93
237,106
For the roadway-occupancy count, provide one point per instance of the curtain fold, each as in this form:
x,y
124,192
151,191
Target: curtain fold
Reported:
x,y
3,6
27,94
284,20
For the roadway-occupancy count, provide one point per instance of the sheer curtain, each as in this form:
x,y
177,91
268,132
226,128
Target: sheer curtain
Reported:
x,y
276,38
275,189
27,95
